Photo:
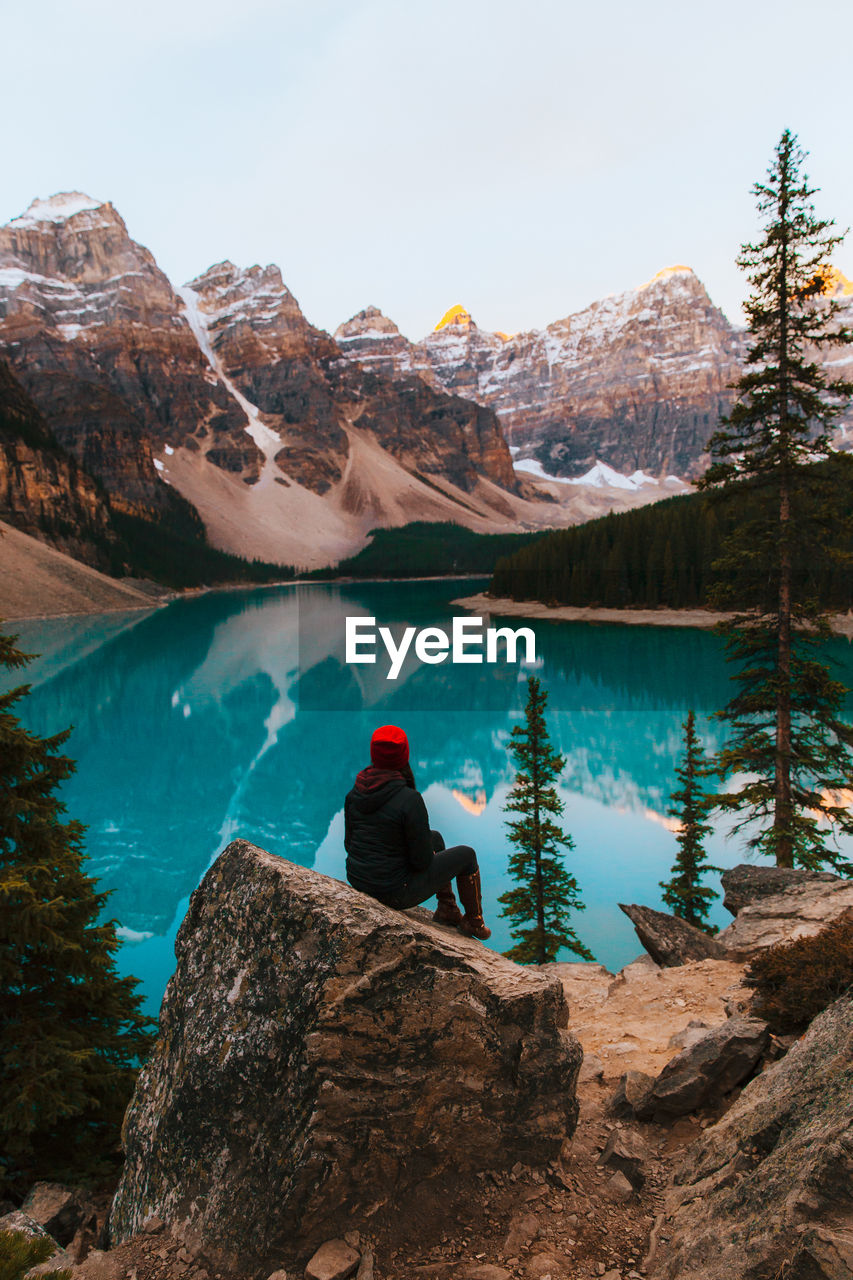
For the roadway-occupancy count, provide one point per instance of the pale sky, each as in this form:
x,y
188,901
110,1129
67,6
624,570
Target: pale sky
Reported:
x,y
521,159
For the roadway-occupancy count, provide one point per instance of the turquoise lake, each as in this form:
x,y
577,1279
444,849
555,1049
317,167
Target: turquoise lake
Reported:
x,y
233,713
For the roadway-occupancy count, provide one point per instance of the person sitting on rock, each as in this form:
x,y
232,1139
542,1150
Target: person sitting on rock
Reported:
x,y
391,852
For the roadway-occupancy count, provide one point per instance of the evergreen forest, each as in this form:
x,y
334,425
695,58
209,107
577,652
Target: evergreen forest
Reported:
x,y
425,549
664,554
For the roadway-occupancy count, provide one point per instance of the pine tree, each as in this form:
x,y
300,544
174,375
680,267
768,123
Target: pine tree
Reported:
x,y
539,907
785,728
70,1028
688,898
19,1252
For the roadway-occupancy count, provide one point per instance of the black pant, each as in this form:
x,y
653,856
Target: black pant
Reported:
x,y
461,860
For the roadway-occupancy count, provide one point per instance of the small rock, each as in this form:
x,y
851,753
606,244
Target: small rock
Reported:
x,y
688,1035
637,969
709,1069
633,1090
522,1230
612,1275
84,1240
626,1151
334,1260
486,1271
100,1266
56,1208
737,1003
745,885
592,1068
278,1275
152,1225
365,1267
619,1189
352,1238
542,1265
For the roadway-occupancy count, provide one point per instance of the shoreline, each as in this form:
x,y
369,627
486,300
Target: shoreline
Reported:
x,y
707,619
481,603
171,594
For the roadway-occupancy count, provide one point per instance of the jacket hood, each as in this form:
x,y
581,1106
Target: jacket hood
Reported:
x,y
373,787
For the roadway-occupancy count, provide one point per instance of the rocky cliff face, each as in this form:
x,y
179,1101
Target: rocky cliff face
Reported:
x,y
294,375
93,330
637,380
43,489
258,338
228,395
323,1059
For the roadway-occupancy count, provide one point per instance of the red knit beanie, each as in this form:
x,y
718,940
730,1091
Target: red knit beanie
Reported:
x,y
389,747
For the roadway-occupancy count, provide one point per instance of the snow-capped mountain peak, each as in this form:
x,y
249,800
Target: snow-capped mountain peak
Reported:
x,y
666,274
56,208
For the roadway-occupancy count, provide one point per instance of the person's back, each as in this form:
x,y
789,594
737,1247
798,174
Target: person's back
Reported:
x,y
387,832
391,852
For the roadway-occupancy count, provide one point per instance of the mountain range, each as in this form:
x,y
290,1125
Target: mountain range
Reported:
x,y
220,403
636,381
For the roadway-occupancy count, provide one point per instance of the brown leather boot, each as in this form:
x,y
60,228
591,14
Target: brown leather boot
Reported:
x,y
473,925
447,912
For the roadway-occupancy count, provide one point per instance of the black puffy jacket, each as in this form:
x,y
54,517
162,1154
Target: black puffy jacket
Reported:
x,y
386,832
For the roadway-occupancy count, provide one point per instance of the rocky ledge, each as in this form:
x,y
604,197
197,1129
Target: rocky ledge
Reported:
x,y
771,905
768,1191
321,1057
774,904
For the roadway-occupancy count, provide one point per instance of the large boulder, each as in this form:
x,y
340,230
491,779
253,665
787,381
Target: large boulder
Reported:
x,y
745,885
709,1068
321,1057
775,904
669,940
768,1190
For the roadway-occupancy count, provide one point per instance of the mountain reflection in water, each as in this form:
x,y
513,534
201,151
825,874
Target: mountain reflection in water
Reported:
x,y
233,713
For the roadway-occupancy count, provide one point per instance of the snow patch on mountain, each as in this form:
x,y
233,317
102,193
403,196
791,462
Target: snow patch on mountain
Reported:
x,y
267,440
598,477
56,209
